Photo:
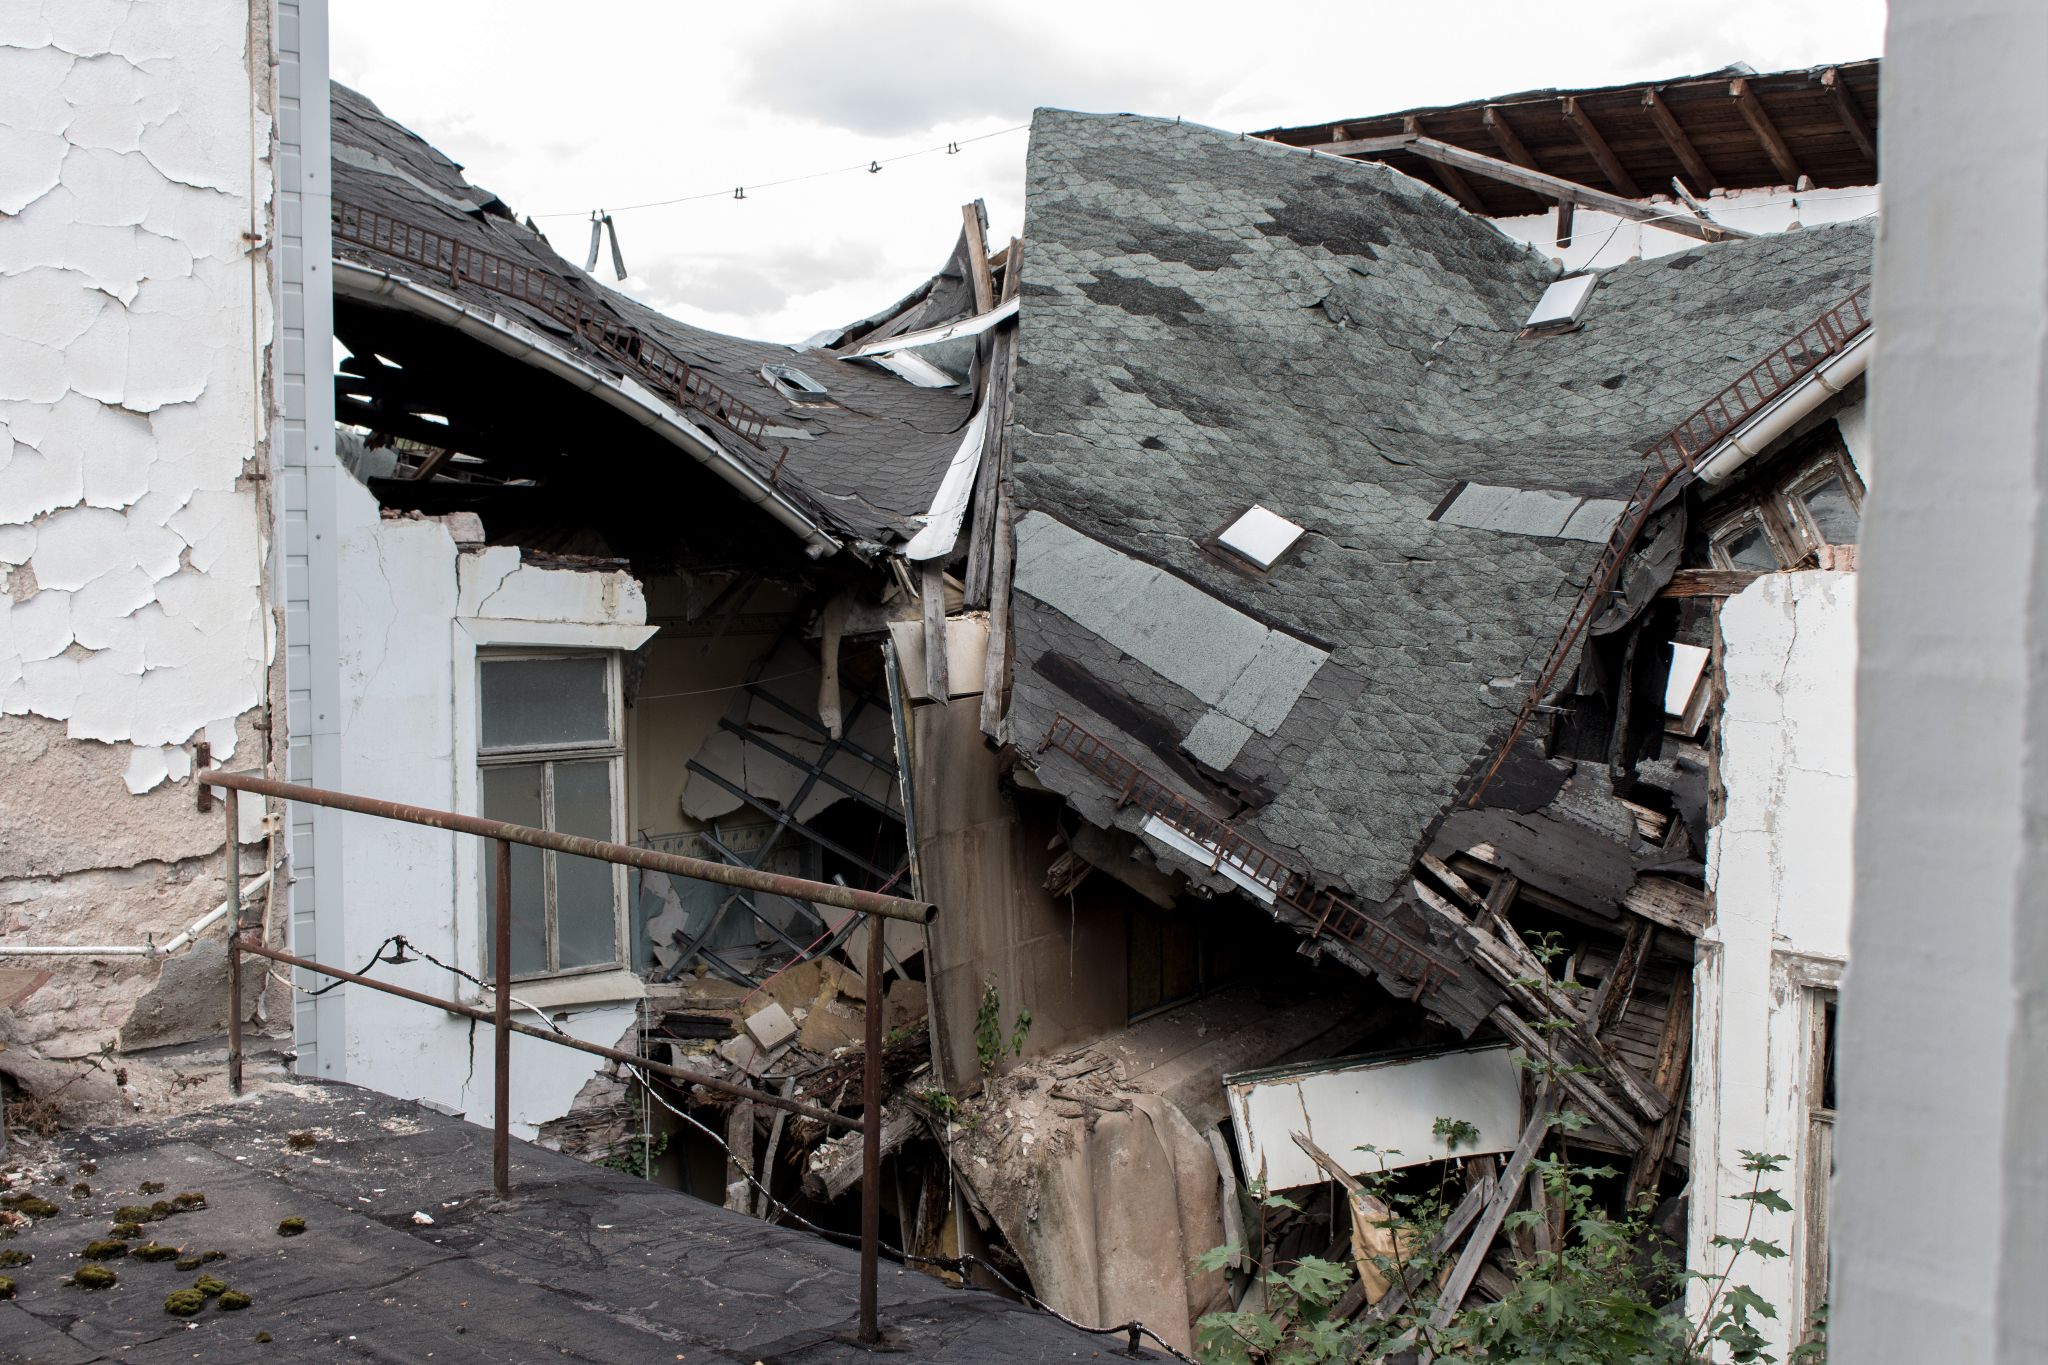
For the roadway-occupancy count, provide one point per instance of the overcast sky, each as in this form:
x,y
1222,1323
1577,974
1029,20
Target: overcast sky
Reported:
x,y
562,108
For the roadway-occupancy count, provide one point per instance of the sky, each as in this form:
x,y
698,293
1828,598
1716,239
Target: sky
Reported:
x,y
560,109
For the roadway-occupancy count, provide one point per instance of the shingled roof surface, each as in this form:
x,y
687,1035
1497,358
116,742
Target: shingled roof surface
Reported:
x,y
868,463
1212,322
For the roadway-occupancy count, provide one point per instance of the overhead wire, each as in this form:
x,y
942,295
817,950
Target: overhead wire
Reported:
x,y
873,164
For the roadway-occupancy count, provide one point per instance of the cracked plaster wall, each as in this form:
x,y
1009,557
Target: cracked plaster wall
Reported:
x,y
1781,868
134,325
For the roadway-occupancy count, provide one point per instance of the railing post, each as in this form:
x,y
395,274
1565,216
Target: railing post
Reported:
x,y
501,1019
234,873
871,1139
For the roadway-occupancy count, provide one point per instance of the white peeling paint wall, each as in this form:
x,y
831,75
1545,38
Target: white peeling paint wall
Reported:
x,y
1600,240
413,604
1780,866
135,316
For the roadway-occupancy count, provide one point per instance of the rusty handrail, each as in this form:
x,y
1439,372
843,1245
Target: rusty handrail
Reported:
x,y
1672,463
654,860
504,834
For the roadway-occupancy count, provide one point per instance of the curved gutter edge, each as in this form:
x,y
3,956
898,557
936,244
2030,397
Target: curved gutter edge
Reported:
x,y
1765,427
363,283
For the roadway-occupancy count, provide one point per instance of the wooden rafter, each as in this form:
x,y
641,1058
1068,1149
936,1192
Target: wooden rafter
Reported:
x,y
1696,168
1549,186
1766,132
977,257
1506,138
1851,114
1603,155
1450,177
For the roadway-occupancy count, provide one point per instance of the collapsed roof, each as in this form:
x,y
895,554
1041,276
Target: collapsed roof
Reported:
x,y
1214,323
859,457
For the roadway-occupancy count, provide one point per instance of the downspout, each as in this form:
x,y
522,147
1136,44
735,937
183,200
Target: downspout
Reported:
x,y
1767,426
361,282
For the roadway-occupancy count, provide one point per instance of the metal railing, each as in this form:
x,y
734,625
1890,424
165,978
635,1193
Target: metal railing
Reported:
x,y
1671,464
1290,884
633,350
503,835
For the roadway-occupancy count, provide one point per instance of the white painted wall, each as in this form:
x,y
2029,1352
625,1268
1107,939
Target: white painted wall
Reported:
x,y
1941,1197
414,607
1600,240
1781,868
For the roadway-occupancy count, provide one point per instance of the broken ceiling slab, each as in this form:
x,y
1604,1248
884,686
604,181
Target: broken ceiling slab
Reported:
x,y
1392,1104
1230,660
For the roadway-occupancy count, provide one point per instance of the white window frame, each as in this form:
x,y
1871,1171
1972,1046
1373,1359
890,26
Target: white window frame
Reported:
x,y
475,635
612,751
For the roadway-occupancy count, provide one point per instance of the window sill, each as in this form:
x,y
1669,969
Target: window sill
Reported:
x,y
617,986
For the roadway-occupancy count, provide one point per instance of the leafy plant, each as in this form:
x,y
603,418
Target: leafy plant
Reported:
x,y
1455,1133
939,1102
634,1155
989,1043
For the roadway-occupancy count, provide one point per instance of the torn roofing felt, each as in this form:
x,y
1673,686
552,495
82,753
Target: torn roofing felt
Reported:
x,y
1213,322
867,458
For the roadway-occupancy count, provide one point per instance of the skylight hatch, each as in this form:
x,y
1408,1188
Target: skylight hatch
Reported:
x,y
1561,305
1260,536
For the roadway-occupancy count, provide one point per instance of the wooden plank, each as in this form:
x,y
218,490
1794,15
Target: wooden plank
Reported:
x,y
1455,884
932,599
1611,1001
1506,138
1668,128
1450,177
977,257
431,466
1477,1197
982,515
1013,269
1710,582
1673,904
1553,187
995,688
1766,132
1603,155
1673,1061
1851,115
1488,1223
1566,211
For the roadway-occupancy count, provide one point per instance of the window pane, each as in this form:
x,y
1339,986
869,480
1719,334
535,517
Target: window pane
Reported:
x,y
1832,512
545,701
1750,548
513,794
585,920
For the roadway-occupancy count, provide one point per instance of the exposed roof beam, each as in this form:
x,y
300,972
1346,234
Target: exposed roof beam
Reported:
x,y
1703,178
1549,186
1850,113
1506,138
1766,132
1610,164
1452,179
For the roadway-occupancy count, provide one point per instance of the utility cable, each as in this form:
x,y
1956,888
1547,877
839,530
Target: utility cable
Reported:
x,y
872,166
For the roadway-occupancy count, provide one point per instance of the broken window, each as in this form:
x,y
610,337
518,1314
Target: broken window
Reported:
x,y
549,756
794,384
1820,1141
1792,518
